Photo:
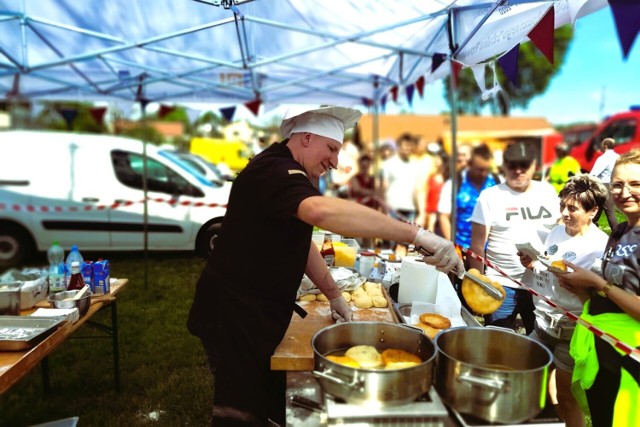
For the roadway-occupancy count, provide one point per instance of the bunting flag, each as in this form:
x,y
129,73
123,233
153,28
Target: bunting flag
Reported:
x,y
98,114
193,114
509,64
420,86
253,106
455,69
437,60
228,113
69,114
123,105
383,102
367,102
627,17
394,93
144,101
409,90
542,34
165,110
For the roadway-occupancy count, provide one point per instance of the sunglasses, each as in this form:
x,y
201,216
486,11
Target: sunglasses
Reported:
x,y
521,164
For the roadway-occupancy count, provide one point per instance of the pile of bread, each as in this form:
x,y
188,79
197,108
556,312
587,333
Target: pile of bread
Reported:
x,y
366,296
368,357
432,323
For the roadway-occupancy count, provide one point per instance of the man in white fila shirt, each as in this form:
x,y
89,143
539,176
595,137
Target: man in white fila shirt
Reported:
x,y
517,211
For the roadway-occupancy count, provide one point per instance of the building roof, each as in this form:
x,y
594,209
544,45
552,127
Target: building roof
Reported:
x,y
434,127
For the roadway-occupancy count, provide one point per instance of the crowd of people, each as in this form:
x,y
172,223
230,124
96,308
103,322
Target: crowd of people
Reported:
x,y
405,193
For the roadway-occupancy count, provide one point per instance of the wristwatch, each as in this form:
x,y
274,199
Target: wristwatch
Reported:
x,y
605,290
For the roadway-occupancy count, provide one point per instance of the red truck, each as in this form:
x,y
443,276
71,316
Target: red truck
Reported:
x,y
624,128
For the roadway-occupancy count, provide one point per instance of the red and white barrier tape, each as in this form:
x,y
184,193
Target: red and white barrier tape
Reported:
x,y
632,352
625,348
85,208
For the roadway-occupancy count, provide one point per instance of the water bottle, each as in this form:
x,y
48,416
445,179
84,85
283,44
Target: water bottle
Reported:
x,y
55,255
73,256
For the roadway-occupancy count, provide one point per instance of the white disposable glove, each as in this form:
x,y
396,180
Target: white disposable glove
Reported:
x,y
442,253
340,310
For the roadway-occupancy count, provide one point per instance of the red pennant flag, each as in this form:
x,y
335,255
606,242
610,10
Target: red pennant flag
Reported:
x,y
165,110
542,34
98,114
420,86
253,106
455,69
394,93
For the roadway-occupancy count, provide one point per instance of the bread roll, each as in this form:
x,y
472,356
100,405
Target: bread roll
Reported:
x,y
372,286
363,301
435,320
398,359
367,356
379,301
322,297
308,297
346,296
475,295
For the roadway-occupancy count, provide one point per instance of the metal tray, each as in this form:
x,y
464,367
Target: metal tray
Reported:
x,y
23,332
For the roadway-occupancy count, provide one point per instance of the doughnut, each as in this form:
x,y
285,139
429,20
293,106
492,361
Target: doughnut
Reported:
x,y
560,265
428,330
344,360
398,359
367,356
476,297
435,320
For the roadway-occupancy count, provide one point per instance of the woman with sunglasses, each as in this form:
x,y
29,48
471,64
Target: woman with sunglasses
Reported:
x,y
606,382
579,240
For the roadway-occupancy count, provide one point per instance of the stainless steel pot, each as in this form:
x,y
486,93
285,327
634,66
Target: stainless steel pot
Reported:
x,y
493,374
371,386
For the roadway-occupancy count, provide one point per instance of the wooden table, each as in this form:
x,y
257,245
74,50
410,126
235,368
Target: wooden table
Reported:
x,y
14,365
295,353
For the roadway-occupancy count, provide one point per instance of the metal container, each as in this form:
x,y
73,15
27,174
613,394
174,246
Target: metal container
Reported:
x,y
373,386
493,374
57,300
10,298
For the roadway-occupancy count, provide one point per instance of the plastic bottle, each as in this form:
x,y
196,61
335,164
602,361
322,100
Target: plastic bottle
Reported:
x,y
55,255
75,281
73,256
327,252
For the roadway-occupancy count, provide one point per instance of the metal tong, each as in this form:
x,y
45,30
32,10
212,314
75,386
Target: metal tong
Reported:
x,y
492,291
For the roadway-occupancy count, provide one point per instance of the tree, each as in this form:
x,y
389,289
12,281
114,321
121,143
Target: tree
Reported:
x,y
534,74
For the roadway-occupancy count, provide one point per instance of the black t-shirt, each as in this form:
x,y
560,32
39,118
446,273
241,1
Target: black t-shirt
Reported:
x,y
262,246
620,267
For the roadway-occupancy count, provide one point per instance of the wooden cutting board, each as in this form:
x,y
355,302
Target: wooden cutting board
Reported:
x,y
295,353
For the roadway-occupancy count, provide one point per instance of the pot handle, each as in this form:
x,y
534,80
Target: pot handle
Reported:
x,y
494,385
327,375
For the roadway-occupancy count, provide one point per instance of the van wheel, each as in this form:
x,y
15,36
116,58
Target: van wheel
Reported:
x,y
207,238
16,246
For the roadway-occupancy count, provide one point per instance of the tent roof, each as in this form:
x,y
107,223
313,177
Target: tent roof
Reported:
x,y
294,51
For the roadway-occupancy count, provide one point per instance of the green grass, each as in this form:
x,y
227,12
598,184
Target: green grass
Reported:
x,y
163,368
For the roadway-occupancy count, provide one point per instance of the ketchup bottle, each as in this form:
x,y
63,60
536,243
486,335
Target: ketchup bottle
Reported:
x,y
76,281
327,252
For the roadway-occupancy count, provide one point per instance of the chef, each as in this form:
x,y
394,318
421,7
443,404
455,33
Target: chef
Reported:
x,y
246,294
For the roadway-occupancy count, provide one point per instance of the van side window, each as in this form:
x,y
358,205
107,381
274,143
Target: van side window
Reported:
x,y
622,131
129,170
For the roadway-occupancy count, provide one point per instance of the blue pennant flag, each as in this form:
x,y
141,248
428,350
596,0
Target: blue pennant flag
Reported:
x,y
228,113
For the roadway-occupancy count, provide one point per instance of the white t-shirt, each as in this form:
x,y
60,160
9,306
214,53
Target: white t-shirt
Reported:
x,y
579,250
515,217
603,166
401,178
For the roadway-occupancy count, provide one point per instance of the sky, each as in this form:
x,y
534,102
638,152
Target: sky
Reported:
x,y
593,82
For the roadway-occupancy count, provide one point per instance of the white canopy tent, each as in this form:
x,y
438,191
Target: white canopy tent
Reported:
x,y
346,52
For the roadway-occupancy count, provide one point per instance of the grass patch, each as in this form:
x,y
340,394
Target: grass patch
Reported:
x,y
163,369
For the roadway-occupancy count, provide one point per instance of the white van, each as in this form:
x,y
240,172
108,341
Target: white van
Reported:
x,y
87,190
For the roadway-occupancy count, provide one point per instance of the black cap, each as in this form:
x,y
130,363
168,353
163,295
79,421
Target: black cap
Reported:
x,y
520,152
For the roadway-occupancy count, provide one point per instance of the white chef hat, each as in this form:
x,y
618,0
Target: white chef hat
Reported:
x,y
329,122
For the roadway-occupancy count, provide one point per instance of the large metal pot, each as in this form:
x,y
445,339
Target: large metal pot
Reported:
x,y
493,374
373,386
